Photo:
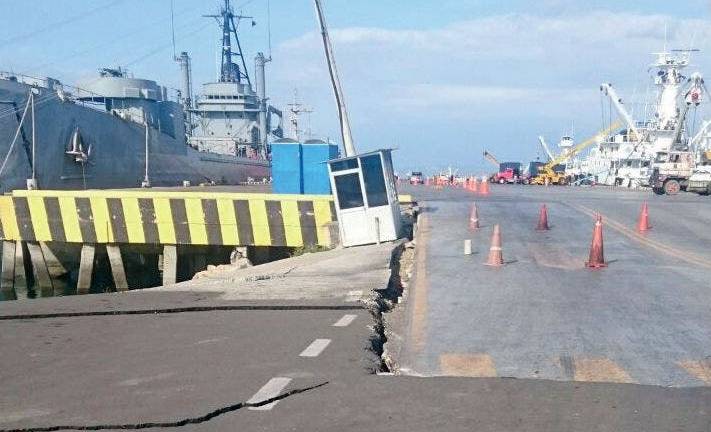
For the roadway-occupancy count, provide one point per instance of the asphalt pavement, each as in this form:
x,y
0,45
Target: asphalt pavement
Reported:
x,y
644,319
541,344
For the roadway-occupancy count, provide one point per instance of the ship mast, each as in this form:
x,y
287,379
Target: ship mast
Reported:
x,y
230,71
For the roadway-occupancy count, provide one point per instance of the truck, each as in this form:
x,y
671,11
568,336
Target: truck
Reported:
x,y
671,171
700,180
509,172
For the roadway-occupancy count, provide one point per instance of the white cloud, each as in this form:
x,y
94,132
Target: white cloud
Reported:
x,y
543,71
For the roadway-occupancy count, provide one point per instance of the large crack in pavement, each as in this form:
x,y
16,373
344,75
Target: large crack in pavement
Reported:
x,y
171,424
345,307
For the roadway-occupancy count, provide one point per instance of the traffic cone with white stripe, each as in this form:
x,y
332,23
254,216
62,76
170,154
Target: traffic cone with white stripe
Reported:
x,y
496,258
643,224
597,255
474,218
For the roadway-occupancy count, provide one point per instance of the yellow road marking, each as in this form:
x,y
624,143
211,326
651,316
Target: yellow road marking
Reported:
x,y
699,369
102,222
260,222
322,217
600,370
9,221
132,219
467,365
645,241
40,222
420,287
196,221
292,223
228,221
70,219
164,221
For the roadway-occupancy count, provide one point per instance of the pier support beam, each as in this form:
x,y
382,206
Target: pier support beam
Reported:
x,y
7,278
39,268
86,268
22,269
117,269
170,264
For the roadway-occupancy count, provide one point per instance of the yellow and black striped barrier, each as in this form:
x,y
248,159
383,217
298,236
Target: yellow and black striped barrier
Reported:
x,y
153,217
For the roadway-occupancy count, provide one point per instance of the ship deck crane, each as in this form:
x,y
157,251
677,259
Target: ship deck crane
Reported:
x,y
544,145
546,173
491,158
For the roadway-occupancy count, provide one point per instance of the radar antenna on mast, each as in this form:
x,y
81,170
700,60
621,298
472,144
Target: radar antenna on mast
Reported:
x,y
229,70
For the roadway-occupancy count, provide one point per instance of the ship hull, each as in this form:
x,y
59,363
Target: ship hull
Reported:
x,y
116,149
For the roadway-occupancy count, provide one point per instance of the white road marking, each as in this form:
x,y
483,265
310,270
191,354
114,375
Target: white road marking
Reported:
x,y
271,389
345,320
354,296
315,348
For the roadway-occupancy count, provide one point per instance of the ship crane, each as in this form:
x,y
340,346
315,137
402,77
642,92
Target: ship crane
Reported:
x,y
621,109
547,174
491,158
544,145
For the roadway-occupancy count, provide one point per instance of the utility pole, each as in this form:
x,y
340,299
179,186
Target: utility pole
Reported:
x,y
146,181
348,146
32,183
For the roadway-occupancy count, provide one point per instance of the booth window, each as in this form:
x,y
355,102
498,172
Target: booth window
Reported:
x,y
348,189
344,165
374,181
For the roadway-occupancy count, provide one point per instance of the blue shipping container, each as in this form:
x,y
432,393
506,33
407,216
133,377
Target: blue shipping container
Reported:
x,y
287,171
314,154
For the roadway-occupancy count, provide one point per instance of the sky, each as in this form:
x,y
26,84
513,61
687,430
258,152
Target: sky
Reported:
x,y
439,81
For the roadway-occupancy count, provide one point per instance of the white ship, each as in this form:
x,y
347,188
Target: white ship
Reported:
x,y
625,158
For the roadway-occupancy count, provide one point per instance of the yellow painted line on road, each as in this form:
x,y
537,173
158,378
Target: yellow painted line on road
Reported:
x,y
600,370
467,365
700,369
420,287
646,241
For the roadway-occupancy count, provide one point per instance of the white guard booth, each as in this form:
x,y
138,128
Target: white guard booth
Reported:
x,y
366,198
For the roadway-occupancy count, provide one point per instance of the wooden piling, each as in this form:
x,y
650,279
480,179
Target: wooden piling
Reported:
x,y
7,277
86,268
22,281
40,270
170,264
117,268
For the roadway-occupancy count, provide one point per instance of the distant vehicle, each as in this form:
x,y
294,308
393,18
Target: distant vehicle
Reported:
x,y
416,178
700,180
585,181
509,172
671,171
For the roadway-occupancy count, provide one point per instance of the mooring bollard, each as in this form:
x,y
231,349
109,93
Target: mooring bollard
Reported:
x,y
467,247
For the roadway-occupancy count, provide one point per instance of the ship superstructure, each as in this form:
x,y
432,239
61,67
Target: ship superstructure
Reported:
x,y
625,158
116,130
231,118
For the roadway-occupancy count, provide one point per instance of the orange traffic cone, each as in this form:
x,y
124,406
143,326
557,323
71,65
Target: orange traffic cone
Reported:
x,y
484,189
496,258
427,181
643,224
543,219
474,218
597,255
474,185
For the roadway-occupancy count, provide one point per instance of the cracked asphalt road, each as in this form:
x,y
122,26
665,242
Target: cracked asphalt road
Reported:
x,y
197,370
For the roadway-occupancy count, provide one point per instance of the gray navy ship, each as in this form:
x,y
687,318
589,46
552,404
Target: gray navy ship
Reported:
x,y
117,131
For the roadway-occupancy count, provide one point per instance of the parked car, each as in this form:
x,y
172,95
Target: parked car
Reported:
x,y
416,178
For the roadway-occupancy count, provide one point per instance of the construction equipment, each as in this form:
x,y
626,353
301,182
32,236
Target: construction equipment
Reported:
x,y
509,172
546,173
491,158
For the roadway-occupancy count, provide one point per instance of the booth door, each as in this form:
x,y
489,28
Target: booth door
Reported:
x,y
354,223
